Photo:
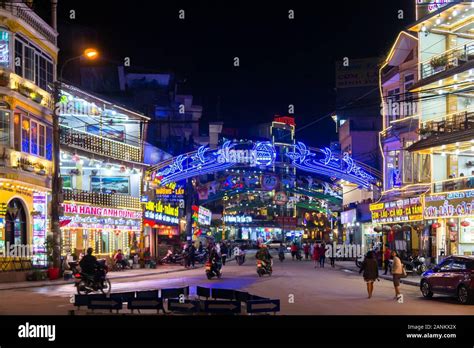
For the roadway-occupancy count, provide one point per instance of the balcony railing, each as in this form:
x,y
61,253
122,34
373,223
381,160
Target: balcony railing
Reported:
x,y
457,184
114,200
22,11
99,145
448,60
449,124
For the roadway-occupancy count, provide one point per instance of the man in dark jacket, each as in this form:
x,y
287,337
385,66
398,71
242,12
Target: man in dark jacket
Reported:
x,y
89,263
371,271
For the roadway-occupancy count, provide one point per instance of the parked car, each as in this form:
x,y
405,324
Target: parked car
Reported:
x,y
453,276
273,243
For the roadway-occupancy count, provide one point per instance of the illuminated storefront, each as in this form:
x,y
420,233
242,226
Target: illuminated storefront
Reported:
x,y
23,219
451,217
401,221
104,229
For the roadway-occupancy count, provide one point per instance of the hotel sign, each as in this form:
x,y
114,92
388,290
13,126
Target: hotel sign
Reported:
x,y
404,210
454,204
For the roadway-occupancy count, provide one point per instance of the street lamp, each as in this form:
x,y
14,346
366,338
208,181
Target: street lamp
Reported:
x,y
91,54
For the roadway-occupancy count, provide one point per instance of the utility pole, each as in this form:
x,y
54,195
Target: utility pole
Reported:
x,y
56,182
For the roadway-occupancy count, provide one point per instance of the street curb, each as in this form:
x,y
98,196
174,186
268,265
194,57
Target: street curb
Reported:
x,y
118,277
386,277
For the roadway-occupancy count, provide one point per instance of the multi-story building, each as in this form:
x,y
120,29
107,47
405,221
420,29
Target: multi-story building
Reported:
x,y
406,175
28,58
102,173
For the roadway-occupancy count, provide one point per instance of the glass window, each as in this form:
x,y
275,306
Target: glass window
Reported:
x,y
49,143
4,127
42,140
42,74
34,138
49,73
18,58
458,265
17,131
445,265
25,134
29,64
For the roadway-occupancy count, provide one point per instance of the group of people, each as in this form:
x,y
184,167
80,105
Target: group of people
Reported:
x,y
315,251
370,270
219,249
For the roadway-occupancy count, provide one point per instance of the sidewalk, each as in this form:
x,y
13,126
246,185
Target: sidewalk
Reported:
x,y
134,273
413,280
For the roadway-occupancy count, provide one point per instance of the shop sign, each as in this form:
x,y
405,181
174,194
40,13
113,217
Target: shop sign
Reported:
x,y
204,215
157,211
151,215
349,216
404,210
454,204
286,221
70,208
102,223
171,192
229,219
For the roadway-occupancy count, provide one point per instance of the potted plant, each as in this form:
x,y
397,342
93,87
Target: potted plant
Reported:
x,y
53,272
41,169
439,63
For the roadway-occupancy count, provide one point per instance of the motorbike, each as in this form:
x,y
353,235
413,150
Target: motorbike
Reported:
x,y
213,269
415,265
175,258
281,255
86,283
264,268
201,257
240,258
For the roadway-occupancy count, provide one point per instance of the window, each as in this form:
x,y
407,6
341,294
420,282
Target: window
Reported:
x,y
409,108
36,138
458,265
407,164
445,265
4,128
393,98
33,64
42,138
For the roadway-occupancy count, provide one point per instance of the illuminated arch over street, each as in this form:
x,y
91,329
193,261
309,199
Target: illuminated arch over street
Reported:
x,y
264,155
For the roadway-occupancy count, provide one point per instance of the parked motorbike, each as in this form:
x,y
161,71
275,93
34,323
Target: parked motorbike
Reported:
x,y
172,258
86,283
415,265
264,268
213,269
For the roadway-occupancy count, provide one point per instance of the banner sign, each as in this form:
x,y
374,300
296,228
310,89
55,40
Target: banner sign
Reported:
x,y
99,211
403,210
454,204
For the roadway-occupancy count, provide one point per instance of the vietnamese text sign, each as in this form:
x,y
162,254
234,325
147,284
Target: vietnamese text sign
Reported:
x,y
403,210
454,204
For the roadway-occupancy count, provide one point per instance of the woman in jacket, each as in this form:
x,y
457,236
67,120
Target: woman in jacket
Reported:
x,y
397,272
316,255
371,271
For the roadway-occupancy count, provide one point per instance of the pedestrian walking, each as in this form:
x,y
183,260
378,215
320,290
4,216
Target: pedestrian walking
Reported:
x,y
371,272
386,258
306,251
322,255
316,255
397,273
224,252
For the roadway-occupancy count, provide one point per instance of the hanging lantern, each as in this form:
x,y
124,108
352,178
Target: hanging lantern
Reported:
x,y
465,223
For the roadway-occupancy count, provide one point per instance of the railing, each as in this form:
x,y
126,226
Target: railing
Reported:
x,y
457,184
452,123
113,200
447,60
99,145
22,11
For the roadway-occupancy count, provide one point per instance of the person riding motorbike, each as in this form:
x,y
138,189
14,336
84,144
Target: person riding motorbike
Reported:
x,y
89,264
264,255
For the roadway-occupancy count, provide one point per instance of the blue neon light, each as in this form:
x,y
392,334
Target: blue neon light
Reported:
x,y
263,154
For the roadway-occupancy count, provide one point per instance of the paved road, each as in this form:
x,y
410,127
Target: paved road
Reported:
x,y
301,288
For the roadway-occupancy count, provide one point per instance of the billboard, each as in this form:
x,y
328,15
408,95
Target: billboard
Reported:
x,y
357,73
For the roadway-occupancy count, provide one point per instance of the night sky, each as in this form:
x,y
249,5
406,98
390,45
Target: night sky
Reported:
x,y
282,61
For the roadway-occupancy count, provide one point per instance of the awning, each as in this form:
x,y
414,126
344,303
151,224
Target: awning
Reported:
x,y
442,139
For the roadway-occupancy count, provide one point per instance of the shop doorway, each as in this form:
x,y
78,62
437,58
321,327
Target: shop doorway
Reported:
x,y
15,223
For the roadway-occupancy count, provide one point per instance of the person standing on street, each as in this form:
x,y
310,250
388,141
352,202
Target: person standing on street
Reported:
x,y
316,254
322,255
386,258
224,252
397,272
371,272
294,250
192,255
306,251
